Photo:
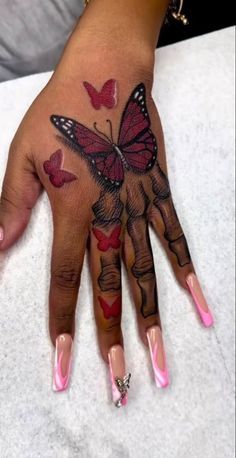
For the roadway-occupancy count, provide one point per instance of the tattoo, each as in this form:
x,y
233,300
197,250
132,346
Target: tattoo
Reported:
x,y
143,267
57,176
111,310
106,97
173,231
134,150
107,241
109,278
108,209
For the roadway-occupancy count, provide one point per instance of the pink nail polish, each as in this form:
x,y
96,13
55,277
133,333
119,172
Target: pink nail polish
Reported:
x,y
62,366
119,378
1,234
199,300
158,358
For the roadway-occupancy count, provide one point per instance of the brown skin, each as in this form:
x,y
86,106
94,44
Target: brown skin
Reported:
x,y
36,140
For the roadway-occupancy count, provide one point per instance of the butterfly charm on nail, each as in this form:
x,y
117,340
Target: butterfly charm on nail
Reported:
x,y
107,97
135,149
57,176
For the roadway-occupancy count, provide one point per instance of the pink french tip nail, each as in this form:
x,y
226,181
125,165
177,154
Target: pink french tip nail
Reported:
x,y
199,300
62,365
158,357
119,378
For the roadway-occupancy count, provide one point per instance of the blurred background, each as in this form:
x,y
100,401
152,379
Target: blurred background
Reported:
x,y
33,32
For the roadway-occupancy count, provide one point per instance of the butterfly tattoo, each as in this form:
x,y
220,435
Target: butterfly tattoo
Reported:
x,y
110,311
57,176
135,148
106,97
105,242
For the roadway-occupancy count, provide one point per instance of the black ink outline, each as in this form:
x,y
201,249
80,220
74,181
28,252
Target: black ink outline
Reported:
x,y
161,189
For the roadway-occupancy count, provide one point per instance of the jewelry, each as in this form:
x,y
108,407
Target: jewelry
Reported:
x,y
122,385
173,10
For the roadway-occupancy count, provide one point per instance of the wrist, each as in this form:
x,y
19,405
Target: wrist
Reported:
x,y
130,60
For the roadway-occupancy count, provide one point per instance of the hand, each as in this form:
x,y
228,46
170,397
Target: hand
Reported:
x,y
100,156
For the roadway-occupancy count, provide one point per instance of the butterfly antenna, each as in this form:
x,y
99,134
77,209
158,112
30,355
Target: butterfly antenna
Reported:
x,y
111,131
100,132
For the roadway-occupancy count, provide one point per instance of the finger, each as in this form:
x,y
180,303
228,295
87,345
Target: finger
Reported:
x,y
105,243
138,259
20,190
164,219
69,244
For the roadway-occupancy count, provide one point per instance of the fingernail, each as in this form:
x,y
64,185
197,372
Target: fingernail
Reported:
x,y
1,234
62,366
158,357
199,300
119,378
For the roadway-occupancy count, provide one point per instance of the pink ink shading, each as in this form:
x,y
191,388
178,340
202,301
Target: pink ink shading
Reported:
x,y
106,97
62,363
158,358
108,241
199,300
110,311
57,176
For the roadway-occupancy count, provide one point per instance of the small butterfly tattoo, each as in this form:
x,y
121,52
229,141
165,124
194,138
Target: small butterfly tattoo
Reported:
x,y
105,242
110,311
57,176
106,97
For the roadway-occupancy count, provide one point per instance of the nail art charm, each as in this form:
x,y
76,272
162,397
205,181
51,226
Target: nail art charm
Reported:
x,y
119,379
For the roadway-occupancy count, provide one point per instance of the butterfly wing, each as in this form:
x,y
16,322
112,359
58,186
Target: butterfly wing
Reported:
x,y
62,177
114,237
93,94
54,163
103,240
112,311
108,95
105,162
136,139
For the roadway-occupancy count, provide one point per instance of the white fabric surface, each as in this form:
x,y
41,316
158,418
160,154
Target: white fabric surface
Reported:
x,y
193,418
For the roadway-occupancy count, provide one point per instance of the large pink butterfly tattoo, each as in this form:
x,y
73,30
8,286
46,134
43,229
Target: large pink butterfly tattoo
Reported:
x,y
135,149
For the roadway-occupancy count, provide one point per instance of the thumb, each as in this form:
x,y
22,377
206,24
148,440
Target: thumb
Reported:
x,y
20,190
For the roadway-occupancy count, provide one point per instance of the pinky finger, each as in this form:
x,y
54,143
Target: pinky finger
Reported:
x,y
165,222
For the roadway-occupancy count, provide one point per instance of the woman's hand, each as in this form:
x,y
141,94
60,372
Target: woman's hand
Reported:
x,y
93,140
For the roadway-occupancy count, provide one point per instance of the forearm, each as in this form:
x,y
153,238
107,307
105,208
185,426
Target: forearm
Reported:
x,y
125,28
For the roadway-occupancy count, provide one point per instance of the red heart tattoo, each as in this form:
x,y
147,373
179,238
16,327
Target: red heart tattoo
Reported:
x,y
57,176
110,311
107,241
106,97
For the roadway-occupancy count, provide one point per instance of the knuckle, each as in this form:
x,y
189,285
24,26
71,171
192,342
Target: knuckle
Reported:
x,y
66,276
64,313
111,327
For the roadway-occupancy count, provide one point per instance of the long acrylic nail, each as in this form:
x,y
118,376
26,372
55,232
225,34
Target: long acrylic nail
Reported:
x,y
62,366
199,300
119,378
158,358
